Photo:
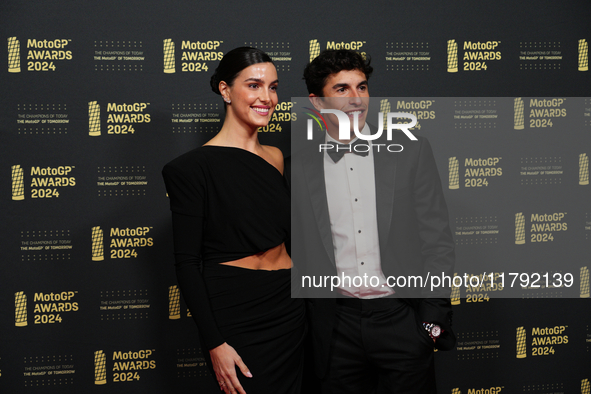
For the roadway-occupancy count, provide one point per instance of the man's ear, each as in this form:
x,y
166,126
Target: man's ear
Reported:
x,y
316,101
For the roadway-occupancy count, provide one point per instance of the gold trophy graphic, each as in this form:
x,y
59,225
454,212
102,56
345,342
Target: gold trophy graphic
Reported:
x,y
97,244
583,55
583,169
18,183
169,65
521,348
94,119
14,59
519,228
174,302
20,309
456,391
314,49
454,173
100,367
584,282
518,120
385,107
455,292
452,56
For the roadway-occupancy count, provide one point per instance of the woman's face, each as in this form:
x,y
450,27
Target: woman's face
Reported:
x,y
253,95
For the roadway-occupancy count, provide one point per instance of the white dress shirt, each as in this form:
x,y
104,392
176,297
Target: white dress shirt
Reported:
x,y
351,193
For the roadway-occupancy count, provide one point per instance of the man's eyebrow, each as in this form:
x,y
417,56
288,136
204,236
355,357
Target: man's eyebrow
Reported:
x,y
340,85
344,85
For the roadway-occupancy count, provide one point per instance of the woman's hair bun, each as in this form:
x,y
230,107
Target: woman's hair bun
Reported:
x,y
215,83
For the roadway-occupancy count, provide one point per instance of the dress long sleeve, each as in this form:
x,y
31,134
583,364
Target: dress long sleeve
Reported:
x,y
187,203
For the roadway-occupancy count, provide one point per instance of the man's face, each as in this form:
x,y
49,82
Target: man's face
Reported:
x,y
346,91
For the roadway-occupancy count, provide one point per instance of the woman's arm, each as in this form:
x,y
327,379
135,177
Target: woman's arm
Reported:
x,y
187,200
187,233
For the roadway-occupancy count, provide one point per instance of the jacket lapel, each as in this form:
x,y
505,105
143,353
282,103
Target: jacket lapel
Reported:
x,y
314,173
385,164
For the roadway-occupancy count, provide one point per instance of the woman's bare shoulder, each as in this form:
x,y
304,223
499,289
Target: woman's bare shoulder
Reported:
x,y
274,156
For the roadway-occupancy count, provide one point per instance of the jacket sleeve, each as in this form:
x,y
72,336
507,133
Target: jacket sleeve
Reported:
x,y
437,245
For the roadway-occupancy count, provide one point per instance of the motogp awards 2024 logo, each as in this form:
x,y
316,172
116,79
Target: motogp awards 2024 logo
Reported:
x,y
42,54
195,55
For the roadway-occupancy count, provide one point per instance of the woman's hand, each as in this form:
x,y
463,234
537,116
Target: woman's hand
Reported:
x,y
224,360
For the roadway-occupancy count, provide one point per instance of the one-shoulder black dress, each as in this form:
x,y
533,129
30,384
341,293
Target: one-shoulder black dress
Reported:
x,y
228,203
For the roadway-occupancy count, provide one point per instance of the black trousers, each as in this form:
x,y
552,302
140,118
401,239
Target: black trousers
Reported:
x,y
379,346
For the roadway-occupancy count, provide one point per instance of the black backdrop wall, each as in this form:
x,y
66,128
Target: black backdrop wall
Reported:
x,y
98,96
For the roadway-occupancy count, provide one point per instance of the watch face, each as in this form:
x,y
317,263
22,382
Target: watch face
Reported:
x,y
436,331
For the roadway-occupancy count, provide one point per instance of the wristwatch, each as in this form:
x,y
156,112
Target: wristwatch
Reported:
x,y
433,329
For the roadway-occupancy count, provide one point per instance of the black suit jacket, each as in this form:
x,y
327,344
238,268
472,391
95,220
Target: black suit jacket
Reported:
x,y
413,227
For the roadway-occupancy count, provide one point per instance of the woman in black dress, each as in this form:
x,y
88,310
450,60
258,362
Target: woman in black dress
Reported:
x,y
231,215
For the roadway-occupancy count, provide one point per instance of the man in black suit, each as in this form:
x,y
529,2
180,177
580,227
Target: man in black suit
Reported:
x,y
381,215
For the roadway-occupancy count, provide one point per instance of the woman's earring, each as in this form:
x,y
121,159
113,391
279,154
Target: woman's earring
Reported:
x,y
227,100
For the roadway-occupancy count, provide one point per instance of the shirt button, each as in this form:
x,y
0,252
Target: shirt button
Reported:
x,y
359,231
362,263
351,169
355,199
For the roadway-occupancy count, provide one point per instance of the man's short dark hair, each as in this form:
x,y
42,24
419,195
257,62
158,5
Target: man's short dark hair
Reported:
x,y
333,61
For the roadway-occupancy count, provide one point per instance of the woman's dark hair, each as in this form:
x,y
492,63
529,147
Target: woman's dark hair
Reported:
x,y
235,61
333,61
